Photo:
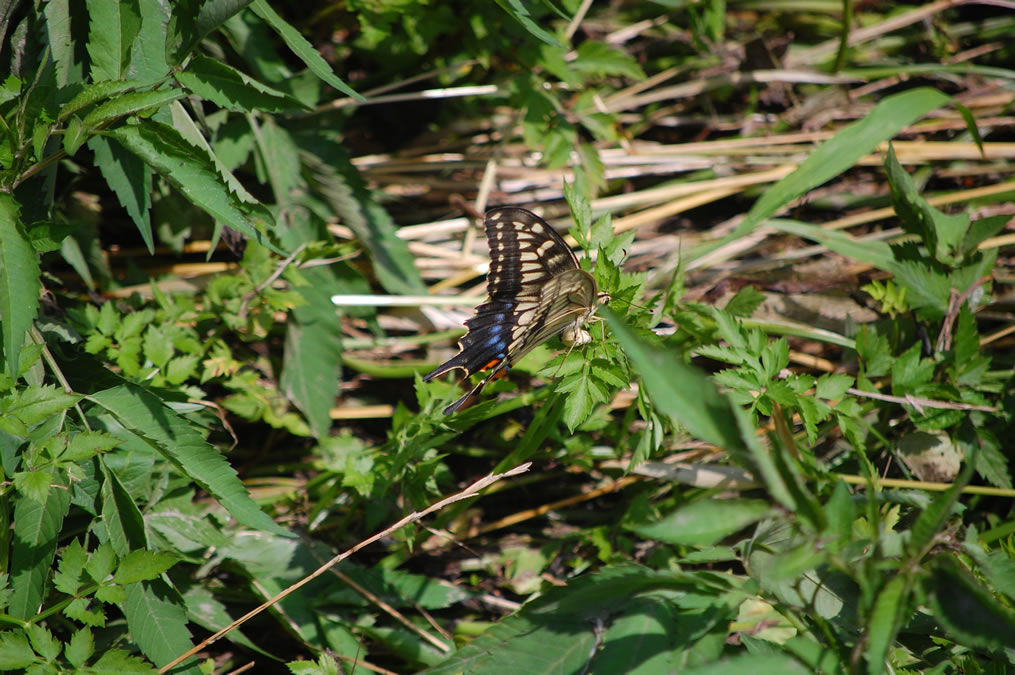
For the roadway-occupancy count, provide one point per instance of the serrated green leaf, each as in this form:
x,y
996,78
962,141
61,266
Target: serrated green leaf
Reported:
x,y
142,566
229,88
43,642
886,619
968,610
333,175
46,236
79,610
34,484
518,10
130,180
583,393
312,364
119,661
15,652
36,532
111,594
129,104
190,170
86,444
92,94
182,368
102,562
36,404
833,386
941,232
158,622
706,522
145,415
112,27
80,647
600,58
301,48
910,370
19,282
686,395
71,569
125,528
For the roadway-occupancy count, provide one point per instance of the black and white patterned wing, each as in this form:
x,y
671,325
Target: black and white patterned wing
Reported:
x,y
536,291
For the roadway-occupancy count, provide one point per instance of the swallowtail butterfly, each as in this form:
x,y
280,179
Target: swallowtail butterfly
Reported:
x,y
537,290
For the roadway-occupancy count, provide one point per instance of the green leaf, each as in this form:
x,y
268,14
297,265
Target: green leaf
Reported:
x,y
45,237
111,594
36,404
158,623
142,566
119,661
15,652
968,610
706,522
36,532
301,48
743,304
751,664
125,528
80,647
981,230
71,575
92,94
682,392
831,387
43,642
686,395
78,609
158,347
518,10
229,88
208,611
19,282
910,370
144,414
112,27
101,562
87,444
876,253
182,368
333,175
130,104
130,180
584,390
600,58
190,170
312,361
942,233
889,116
147,61
34,485
886,618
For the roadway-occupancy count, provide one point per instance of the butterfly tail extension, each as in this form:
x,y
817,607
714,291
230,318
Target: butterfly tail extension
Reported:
x,y
466,400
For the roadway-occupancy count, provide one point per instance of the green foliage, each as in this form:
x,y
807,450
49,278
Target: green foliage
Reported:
x,y
163,441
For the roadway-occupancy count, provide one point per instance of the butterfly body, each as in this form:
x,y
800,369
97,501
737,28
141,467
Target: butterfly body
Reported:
x,y
537,290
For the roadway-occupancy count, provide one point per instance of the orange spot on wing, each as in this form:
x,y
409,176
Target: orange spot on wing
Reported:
x,y
491,365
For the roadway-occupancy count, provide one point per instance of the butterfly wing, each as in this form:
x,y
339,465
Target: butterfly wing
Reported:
x,y
536,290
